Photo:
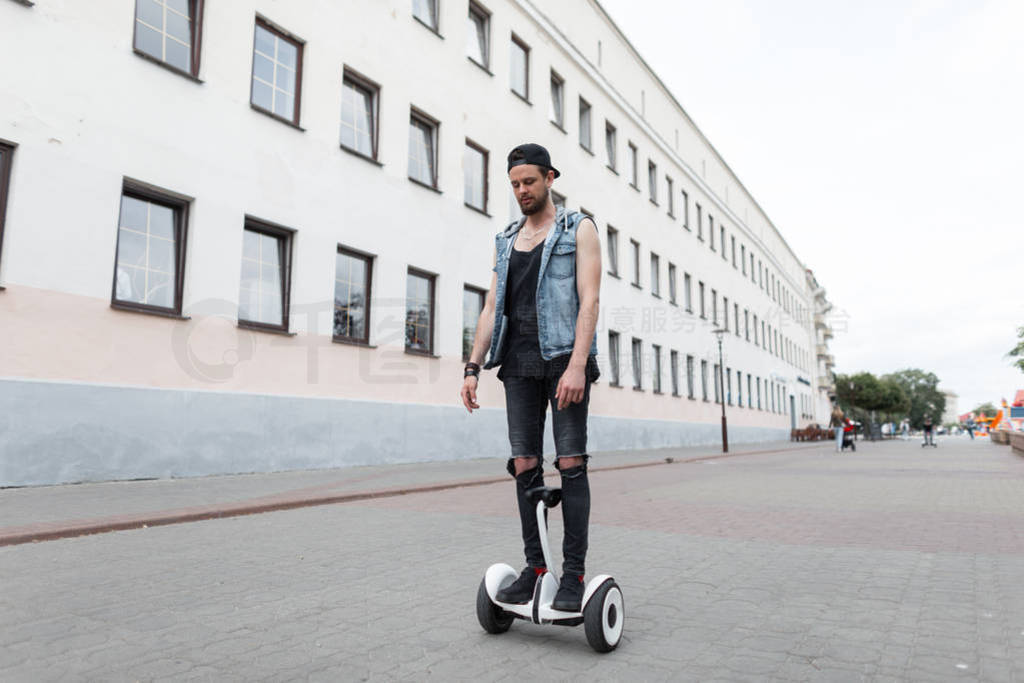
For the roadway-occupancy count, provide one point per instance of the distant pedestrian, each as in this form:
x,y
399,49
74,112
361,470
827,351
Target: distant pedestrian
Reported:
x,y
970,427
929,439
837,422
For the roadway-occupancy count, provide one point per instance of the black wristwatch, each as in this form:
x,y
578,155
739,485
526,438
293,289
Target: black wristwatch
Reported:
x,y
471,369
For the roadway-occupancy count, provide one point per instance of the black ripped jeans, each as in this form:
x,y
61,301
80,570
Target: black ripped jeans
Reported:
x,y
527,401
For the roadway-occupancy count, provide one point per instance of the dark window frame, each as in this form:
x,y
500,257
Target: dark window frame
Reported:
x,y
286,236
686,210
585,107
432,279
475,8
634,160
482,293
556,78
652,181
487,185
613,251
673,355
368,259
180,205
613,358
360,81
655,261
436,28
656,368
670,197
435,134
637,363
636,262
300,50
6,167
196,13
524,96
611,135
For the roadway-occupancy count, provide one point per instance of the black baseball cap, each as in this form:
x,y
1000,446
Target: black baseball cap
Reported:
x,y
530,153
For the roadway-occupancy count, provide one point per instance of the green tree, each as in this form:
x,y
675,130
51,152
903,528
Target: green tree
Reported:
x,y
987,409
895,403
1018,350
922,390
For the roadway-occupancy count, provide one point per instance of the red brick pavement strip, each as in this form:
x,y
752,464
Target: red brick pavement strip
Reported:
x,y
298,498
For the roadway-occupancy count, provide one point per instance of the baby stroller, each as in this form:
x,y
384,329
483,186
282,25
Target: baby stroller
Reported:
x,y
848,437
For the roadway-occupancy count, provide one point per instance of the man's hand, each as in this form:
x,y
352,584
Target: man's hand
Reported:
x,y
468,394
570,387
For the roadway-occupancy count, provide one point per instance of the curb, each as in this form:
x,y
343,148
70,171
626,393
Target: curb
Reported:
x,y
52,531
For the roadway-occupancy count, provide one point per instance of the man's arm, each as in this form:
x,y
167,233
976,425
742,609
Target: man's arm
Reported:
x,y
485,323
588,287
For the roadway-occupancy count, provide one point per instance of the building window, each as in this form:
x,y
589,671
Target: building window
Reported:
x,y
638,363
687,293
359,115
472,305
689,378
711,231
6,155
655,275
746,323
674,368
266,275
169,31
652,180
585,139
700,223
613,357
419,312
732,244
728,385
636,261
426,12
613,251
520,68
557,112
478,35
714,306
739,388
474,170
686,209
276,73
743,259
151,232
759,393
656,369
717,381
755,330
352,278
721,240
423,149
610,145
670,196
672,283
752,279
703,312
750,391
736,318
634,170
725,313
704,380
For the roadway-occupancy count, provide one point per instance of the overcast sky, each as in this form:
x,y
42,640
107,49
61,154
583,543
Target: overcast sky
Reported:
x,y
884,139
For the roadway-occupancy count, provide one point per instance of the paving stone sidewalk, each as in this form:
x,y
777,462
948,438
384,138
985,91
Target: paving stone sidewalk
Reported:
x,y
41,512
892,564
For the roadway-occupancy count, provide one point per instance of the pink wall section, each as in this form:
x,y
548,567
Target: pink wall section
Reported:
x,y
55,336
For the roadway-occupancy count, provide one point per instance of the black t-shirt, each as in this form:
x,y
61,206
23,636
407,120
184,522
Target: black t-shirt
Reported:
x,y
522,354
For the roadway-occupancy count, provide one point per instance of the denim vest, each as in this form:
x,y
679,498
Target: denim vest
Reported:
x,y
558,302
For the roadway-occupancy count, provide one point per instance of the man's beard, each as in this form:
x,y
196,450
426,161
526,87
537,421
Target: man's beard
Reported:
x,y
538,204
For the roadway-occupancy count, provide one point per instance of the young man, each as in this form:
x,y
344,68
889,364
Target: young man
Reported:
x,y
539,322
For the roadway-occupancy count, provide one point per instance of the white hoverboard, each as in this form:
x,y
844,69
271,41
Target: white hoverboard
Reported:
x,y
603,610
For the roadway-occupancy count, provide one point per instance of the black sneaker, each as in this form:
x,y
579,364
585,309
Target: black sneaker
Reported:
x,y
520,591
569,597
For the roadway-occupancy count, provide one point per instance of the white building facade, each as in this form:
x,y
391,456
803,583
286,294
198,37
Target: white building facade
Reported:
x,y
256,235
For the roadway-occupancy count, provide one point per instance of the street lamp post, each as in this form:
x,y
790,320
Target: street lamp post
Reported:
x,y
719,332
